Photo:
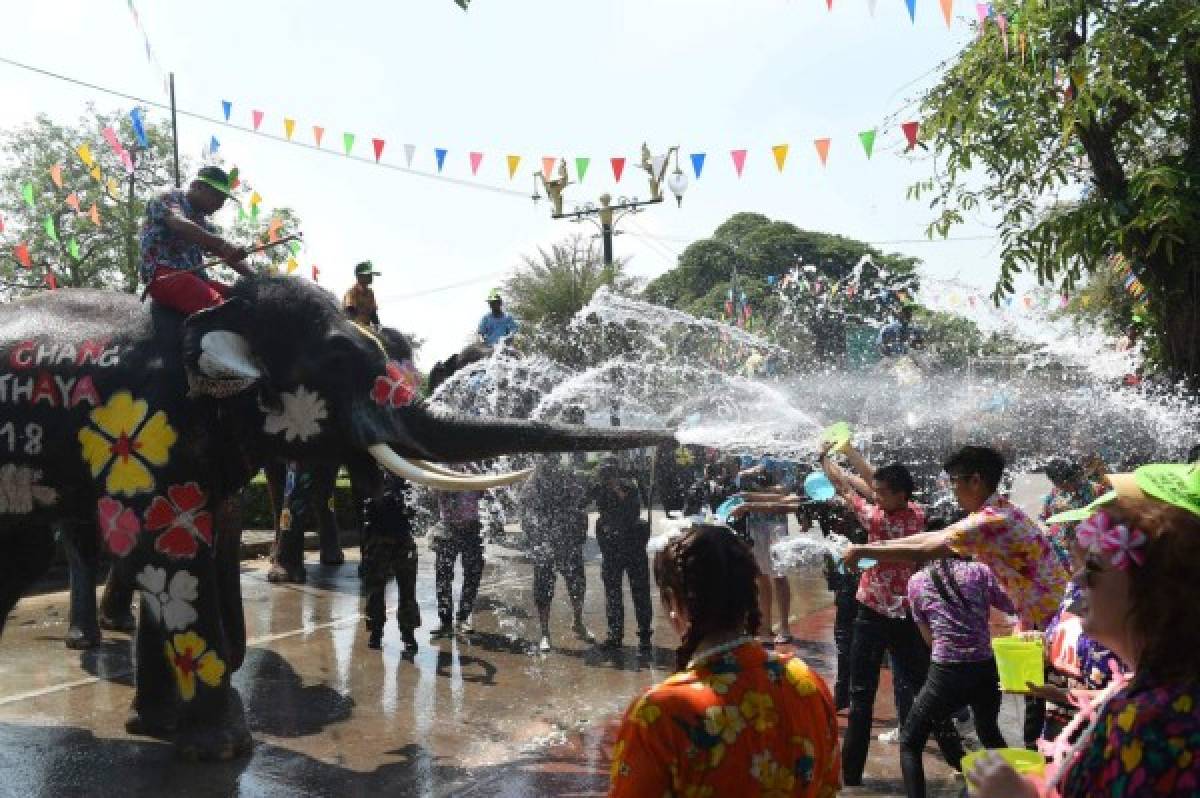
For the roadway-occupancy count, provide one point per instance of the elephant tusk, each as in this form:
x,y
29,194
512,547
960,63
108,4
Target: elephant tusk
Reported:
x,y
386,457
437,468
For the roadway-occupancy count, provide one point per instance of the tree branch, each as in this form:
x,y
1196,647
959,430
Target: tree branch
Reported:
x,y
1191,70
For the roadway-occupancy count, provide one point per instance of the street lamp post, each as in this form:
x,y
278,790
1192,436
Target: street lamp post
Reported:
x,y
607,214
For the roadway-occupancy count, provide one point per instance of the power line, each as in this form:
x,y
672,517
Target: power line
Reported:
x,y
872,243
278,139
448,287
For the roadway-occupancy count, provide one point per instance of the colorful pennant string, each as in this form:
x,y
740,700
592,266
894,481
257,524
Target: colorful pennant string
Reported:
x,y
780,151
739,160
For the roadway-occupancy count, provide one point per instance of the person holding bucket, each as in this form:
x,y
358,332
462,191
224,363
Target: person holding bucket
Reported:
x,y
1140,545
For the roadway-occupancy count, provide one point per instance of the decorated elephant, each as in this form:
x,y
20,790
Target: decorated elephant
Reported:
x,y
150,424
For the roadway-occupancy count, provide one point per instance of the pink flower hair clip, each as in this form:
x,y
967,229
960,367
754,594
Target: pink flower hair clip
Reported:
x,y
1099,535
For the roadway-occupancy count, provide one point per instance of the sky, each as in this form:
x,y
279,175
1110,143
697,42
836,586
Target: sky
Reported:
x,y
533,78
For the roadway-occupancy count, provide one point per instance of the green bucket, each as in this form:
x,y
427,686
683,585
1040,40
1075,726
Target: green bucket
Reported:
x,y
1027,763
1019,661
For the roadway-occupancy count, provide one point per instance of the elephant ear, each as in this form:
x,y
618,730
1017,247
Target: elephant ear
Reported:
x,y
217,355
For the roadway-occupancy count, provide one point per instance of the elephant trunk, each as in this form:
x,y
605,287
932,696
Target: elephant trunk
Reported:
x,y
447,437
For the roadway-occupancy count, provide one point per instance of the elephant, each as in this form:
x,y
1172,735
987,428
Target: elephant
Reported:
x,y
151,423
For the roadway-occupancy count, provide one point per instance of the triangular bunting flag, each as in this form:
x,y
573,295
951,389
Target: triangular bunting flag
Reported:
x,y
139,128
867,137
213,145
910,132
273,229
981,11
513,162
822,146
51,282
21,251
49,227
581,167
114,143
548,164
618,167
347,142
947,10
409,151
227,107
254,213
73,248
697,162
257,116
377,145
114,189
95,173
292,265
85,154
255,199
56,175
780,152
739,159
94,214
830,4
316,273
318,134
440,154
476,158
72,201
289,127
1002,24
27,193
294,246
1,223
912,10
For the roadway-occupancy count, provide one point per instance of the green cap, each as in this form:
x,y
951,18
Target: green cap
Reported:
x,y
365,268
1082,513
215,177
494,295
1172,483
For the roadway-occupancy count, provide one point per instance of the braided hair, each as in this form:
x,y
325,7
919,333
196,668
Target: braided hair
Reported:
x,y
711,574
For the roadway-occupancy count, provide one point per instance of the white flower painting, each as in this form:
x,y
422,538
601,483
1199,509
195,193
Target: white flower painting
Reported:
x,y
169,603
303,412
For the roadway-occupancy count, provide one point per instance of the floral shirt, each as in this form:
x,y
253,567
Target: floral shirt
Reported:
x,y
160,246
1146,743
1059,501
1001,536
959,626
745,723
459,506
884,588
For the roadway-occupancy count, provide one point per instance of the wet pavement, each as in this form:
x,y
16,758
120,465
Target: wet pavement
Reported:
x,y
484,715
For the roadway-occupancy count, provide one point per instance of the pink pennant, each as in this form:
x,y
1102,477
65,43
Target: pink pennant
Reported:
x,y
982,10
618,167
127,161
739,161
548,164
1,224
316,273
257,116
910,132
378,145
476,159
72,201
56,175
318,134
1002,24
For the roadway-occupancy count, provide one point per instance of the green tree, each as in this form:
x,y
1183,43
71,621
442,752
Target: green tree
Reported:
x,y
1085,136
557,283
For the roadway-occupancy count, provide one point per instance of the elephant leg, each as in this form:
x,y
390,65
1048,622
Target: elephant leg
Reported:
x,y
155,710
229,578
82,562
116,604
287,555
324,484
27,555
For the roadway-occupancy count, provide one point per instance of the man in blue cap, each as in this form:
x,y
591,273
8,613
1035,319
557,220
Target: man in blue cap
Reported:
x,y
496,325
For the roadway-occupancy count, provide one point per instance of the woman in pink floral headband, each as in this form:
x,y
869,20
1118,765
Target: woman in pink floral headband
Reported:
x,y
1141,584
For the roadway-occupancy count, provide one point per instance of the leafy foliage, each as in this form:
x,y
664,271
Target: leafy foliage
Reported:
x,y
1085,137
556,284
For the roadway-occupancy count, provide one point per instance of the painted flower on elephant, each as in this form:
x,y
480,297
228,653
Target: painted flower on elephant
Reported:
x,y
119,525
169,602
127,441
190,660
399,387
184,518
300,417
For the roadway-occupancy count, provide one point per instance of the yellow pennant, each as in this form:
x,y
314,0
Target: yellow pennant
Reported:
x,y
513,162
114,188
780,151
292,265
95,173
85,154
289,127
255,199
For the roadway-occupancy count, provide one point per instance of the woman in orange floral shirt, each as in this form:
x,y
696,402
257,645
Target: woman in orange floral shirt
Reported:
x,y
735,719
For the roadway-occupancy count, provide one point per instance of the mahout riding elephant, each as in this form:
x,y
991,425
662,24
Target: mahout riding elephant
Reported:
x,y
151,424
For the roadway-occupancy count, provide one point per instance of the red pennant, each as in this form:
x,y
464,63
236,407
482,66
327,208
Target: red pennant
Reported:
x,y
51,283
830,4
316,272
258,117
548,165
476,159
739,160
378,145
1,224
910,133
318,134
22,253
72,201
618,166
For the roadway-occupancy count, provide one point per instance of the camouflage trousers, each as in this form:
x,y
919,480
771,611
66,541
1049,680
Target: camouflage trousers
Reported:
x,y
384,560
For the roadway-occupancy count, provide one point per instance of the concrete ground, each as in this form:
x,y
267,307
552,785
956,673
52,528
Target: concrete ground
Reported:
x,y
485,716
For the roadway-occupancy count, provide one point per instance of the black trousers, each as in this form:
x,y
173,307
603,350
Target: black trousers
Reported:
x,y
566,560
843,638
946,688
615,562
467,541
384,560
875,635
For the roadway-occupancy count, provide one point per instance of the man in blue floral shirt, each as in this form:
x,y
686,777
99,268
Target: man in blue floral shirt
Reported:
x,y
175,236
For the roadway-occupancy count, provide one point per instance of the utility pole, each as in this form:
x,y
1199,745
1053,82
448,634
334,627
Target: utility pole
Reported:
x,y
175,133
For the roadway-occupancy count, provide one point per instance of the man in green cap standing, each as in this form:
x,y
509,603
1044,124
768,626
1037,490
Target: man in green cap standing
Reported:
x,y
175,236
359,302
496,325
